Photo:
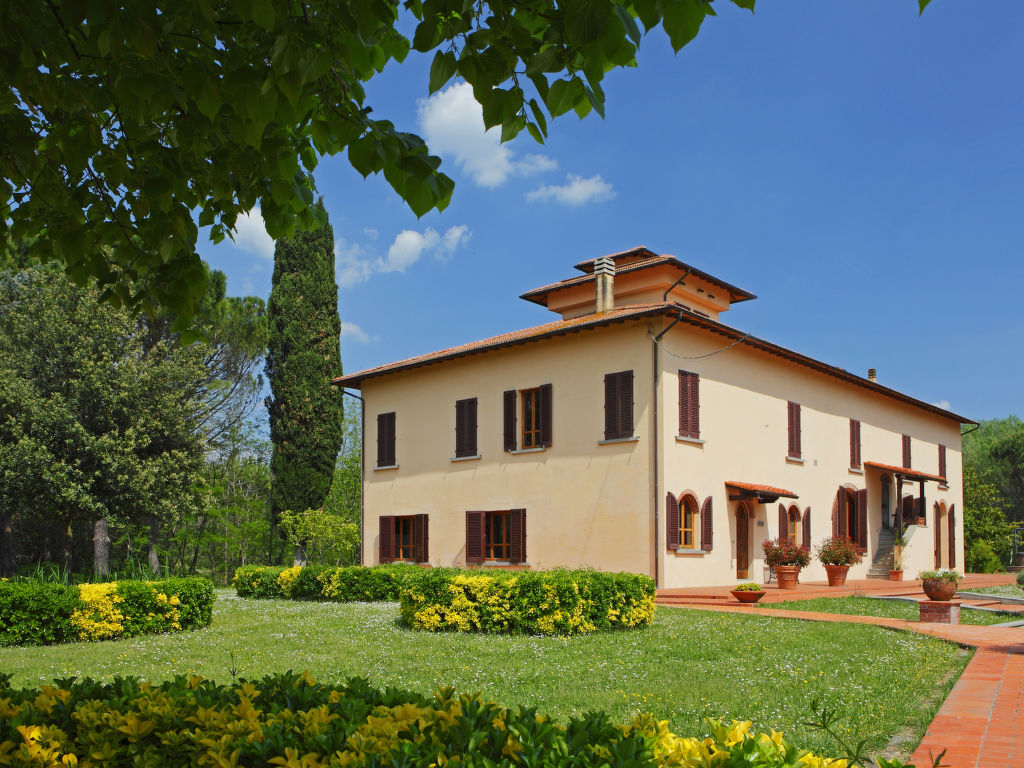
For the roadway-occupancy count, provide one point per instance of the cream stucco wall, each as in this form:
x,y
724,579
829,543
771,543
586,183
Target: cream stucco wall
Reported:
x,y
587,504
590,504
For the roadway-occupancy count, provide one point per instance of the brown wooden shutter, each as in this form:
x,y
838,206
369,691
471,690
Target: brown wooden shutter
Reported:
x,y
471,428
545,414
854,443
783,522
475,537
806,543
906,451
689,404
611,406
626,404
460,428
517,536
510,419
417,538
386,439
425,542
671,522
862,519
386,539
942,461
794,430
951,520
707,525
694,406
938,535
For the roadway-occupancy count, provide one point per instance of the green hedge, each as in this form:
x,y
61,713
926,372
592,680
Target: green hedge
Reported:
x,y
380,583
36,613
557,602
291,720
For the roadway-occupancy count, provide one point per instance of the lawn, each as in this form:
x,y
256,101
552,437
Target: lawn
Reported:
x,y
687,665
1007,590
892,609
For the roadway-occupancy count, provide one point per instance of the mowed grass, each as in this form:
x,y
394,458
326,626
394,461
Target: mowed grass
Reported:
x,y
1006,590
891,609
688,665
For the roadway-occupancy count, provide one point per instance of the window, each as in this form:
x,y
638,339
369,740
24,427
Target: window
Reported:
x,y
618,405
854,444
465,427
794,430
496,536
535,416
403,537
906,450
531,418
689,511
794,525
689,405
386,440
942,461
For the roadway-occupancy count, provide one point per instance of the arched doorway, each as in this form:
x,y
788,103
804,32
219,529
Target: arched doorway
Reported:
x,y
742,541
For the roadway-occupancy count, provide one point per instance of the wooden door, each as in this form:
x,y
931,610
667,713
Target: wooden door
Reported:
x,y
742,543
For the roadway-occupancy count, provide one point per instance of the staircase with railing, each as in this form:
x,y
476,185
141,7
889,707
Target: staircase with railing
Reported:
x,y
883,560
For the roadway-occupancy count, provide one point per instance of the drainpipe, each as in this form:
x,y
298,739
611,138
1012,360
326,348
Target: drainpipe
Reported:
x,y
654,465
362,468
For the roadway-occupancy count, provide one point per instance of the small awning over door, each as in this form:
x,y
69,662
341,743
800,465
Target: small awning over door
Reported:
x,y
763,494
906,472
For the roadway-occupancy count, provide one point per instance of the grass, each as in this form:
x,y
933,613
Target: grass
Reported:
x,y
1008,590
892,609
686,666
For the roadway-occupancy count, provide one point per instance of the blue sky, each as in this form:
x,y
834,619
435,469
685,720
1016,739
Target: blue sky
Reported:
x,y
857,167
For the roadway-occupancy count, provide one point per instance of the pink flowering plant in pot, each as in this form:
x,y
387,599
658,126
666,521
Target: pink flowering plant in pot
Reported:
x,y
787,558
837,554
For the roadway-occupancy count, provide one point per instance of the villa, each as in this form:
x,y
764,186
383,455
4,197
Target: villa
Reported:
x,y
638,432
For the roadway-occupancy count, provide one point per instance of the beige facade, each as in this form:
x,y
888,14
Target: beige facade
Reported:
x,y
591,500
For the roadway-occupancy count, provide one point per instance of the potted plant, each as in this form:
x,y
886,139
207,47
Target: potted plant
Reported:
x,y
787,558
748,593
837,554
899,541
939,585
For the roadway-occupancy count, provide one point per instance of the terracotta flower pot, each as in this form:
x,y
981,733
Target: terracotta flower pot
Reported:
x,y
937,589
787,575
836,574
895,575
746,596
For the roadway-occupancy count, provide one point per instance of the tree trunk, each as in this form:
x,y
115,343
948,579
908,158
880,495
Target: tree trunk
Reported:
x,y
300,555
101,547
66,552
154,532
7,563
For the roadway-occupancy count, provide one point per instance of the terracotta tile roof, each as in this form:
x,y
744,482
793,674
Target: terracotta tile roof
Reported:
x,y
675,311
537,295
912,474
555,328
765,489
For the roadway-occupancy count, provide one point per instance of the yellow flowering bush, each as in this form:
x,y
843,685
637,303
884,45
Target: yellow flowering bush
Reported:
x,y
286,580
558,602
292,721
98,618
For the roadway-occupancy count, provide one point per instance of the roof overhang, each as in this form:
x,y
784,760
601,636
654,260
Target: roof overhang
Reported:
x,y
764,494
905,472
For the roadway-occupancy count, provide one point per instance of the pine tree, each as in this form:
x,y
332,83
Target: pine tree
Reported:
x,y
303,355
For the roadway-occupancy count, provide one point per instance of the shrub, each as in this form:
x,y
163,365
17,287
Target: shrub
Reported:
x,y
940,575
258,581
336,584
981,558
838,550
784,551
291,720
749,586
1020,579
34,613
557,602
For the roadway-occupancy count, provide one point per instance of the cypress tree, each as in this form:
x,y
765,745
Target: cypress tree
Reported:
x,y
303,355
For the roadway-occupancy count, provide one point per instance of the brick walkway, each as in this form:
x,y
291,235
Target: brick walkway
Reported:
x,y
981,722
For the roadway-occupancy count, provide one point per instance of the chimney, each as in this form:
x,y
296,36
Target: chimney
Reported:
x,y
604,272
872,375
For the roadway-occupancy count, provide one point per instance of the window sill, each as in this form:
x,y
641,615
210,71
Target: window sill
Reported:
x,y
538,449
690,552
690,440
856,471
389,466
615,440
796,460
466,458
943,487
502,564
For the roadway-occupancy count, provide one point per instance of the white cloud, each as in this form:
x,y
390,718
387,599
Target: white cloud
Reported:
x,y
575,191
943,404
371,233
354,333
251,234
452,123
355,265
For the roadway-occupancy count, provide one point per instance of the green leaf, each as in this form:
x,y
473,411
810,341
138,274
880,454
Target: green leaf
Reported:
x,y
922,4
682,21
263,13
749,4
629,23
209,100
442,69
563,96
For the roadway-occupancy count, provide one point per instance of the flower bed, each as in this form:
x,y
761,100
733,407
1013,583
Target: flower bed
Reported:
x,y
36,613
557,602
291,720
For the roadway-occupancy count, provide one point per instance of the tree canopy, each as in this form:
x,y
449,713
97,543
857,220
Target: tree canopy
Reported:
x,y
126,128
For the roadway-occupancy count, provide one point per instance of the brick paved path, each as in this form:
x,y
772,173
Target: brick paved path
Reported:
x,y
981,722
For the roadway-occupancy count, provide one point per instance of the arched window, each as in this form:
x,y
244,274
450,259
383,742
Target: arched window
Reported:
x,y
687,522
793,531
